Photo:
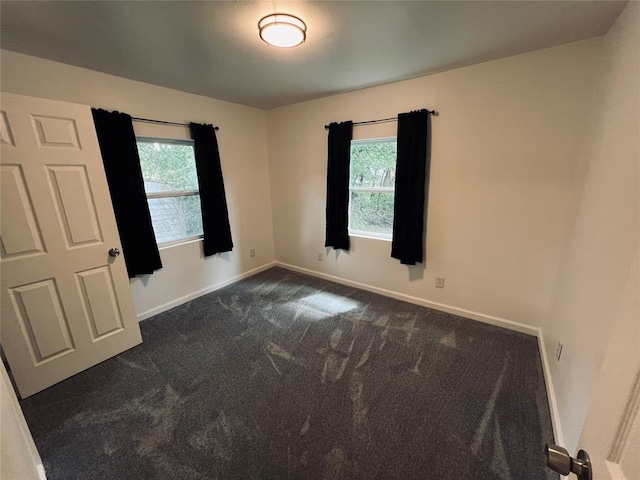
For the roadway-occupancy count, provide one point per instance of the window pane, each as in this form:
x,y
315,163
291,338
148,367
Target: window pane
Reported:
x,y
371,212
167,167
373,164
174,218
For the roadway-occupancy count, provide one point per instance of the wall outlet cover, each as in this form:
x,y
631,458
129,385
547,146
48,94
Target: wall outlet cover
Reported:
x,y
252,252
439,282
559,351
320,256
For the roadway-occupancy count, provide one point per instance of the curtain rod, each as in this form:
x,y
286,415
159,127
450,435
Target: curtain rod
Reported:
x,y
383,120
162,122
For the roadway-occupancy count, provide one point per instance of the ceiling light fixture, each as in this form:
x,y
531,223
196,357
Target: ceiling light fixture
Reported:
x,y
282,30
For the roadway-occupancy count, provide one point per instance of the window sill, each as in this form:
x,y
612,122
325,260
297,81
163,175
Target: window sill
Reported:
x,y
182,241
370,236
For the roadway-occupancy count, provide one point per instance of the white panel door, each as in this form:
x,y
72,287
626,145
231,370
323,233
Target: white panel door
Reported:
x,y
66,304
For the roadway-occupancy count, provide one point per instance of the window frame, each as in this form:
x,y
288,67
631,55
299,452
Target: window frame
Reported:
x,y
171,193
365,233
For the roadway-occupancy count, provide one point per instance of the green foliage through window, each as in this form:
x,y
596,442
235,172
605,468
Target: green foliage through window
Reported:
x,y
372,183
167,166
372,212
373,164
168,169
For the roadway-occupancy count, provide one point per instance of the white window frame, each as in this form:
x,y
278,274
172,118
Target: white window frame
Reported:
x,y
174,193
364,233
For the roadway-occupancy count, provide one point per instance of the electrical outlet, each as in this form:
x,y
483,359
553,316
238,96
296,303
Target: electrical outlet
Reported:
x,y
439,282
320,256
252,252
559,351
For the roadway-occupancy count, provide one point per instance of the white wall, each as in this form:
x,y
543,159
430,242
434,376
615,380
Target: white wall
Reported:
x,y
19,459
243,150
508,160
595,268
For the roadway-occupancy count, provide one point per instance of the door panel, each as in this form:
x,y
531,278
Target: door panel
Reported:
x,y
22,235
5,132
55,131
45,328
99,301
66,305
74,204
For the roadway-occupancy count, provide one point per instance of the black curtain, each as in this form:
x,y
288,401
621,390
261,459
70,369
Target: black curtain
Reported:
x,y
215,217
124,176
412,180
339,147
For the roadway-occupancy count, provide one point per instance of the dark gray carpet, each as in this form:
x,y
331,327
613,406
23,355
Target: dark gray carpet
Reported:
x,y
287,376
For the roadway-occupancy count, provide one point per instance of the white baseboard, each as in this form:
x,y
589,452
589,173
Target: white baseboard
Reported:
x,y
490,319
551,393
187,298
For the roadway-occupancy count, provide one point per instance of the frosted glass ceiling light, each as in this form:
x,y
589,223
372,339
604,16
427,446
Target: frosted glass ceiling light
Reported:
x,y
282,30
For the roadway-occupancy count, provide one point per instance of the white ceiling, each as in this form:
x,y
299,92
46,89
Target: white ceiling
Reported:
x,y
213,48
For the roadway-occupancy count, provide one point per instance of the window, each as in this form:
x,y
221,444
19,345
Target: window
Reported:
x,y
372,186
171,184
